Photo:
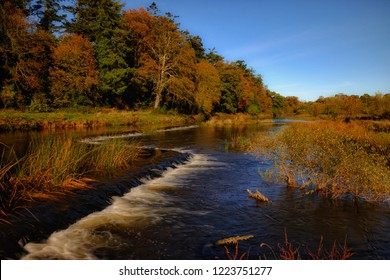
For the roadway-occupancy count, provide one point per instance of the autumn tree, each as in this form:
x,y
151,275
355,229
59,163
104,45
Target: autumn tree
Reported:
x,y
164,60
253,90
74,77
22,54
292,104
207,87
377,105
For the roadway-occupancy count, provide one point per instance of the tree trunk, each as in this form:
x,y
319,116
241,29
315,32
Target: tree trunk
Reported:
x,y
157,101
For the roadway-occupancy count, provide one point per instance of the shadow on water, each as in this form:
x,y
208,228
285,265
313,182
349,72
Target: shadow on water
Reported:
x,y
183,212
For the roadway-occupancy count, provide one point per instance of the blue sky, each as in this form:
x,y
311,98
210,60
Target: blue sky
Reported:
x,y
304,48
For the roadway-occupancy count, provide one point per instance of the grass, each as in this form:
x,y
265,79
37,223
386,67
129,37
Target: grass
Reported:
x,y
221,119
56,165
334,158
11,120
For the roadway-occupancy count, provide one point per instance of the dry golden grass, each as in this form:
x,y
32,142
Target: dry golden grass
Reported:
x,y
54,166
237,119
233,240
333,158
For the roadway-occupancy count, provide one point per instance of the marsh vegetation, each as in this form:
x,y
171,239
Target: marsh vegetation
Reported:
x,y
336,159
55,165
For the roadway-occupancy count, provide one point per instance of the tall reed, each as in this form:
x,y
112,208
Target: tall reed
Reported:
x,y
53,165
9,193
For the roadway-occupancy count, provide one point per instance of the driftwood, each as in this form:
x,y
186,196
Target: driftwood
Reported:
x,y
233,240
258,196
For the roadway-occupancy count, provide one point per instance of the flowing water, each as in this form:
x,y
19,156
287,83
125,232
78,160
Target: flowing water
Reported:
x,y
181,214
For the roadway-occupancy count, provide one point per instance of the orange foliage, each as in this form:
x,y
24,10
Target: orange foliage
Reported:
x,y
162,55
74,77
23,51
208,86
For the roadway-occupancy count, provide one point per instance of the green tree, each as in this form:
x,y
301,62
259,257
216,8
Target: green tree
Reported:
x,y
213,57
232,88
48,13
278,104
197,44
102,23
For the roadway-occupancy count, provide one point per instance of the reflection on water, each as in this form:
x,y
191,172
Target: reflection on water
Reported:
x,y
183,213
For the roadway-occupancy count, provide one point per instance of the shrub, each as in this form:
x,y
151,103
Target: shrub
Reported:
x,y
7,97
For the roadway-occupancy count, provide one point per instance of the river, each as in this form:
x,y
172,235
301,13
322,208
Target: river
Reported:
x,y
181,214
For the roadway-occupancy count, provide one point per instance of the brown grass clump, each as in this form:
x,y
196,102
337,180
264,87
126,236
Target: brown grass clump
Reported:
x,y
337,252
333,158
290,251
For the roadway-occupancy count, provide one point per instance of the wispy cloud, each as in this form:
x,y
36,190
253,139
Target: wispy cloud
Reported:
x,y
286,46
265,44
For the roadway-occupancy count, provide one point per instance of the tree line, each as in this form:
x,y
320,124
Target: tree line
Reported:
x,y
341,106
94,53
73,53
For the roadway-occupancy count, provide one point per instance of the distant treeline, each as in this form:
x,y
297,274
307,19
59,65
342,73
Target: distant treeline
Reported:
x,y
342,106
351,106
66,54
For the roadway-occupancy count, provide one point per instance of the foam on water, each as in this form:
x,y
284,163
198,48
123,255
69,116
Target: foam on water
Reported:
x,y
142,206
99,139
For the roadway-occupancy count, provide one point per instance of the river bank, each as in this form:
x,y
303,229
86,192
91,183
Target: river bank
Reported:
x,y
11,120
29,170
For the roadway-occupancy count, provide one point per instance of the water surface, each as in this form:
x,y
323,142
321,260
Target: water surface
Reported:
x,y
183,213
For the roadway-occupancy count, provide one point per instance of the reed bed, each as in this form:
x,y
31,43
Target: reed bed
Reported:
x,y
56,165
334,158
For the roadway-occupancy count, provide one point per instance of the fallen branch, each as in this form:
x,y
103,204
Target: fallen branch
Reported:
x,y
258,196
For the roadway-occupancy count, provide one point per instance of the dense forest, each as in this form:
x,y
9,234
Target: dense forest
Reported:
x,y
70,54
